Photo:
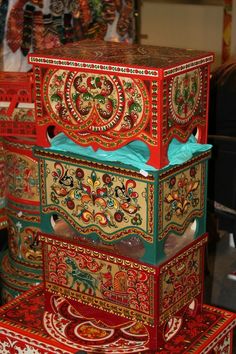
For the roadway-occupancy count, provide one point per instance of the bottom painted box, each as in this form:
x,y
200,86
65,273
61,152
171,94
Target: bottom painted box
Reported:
x,y
119,291
25,327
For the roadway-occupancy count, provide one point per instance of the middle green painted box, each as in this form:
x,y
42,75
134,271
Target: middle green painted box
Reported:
x,y
118,208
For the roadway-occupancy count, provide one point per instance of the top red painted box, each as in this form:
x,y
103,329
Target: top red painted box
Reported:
x,y
107,94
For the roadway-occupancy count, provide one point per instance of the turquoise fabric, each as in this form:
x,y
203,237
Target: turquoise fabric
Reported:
x,y
135,154
179,153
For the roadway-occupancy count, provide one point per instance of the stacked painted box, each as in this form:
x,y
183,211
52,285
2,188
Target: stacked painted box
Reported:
x,y
21,263
104,94
116,207
123,247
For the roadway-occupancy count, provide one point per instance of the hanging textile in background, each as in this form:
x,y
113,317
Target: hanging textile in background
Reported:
x,y
27,29
58,27
45,24
51,38
109,8
74,8
15,26
78,28
97,28
85,13
57,7
68,29
38,29
3,15
38,3
124,24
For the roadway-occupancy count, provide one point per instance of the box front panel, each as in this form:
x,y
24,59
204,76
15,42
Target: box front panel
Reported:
x,y
185,99
94,109
108,206
114,285
182,197
181,280
149,218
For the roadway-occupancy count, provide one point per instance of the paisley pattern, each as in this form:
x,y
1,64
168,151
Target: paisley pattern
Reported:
x,y
102,107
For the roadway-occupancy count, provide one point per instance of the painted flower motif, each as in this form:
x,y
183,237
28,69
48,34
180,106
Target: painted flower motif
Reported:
x,y
107,179
172,182
110,203
144,306
77,194
195,202
192,172
167,301
79,173
118,216
190,196
182,182
174,205
136,220
102,192
168,216
54,198
70,204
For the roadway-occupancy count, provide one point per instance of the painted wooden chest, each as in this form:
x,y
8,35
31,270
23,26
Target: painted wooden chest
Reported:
x,y
17,114
106,94
123,291
115,207
25,326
